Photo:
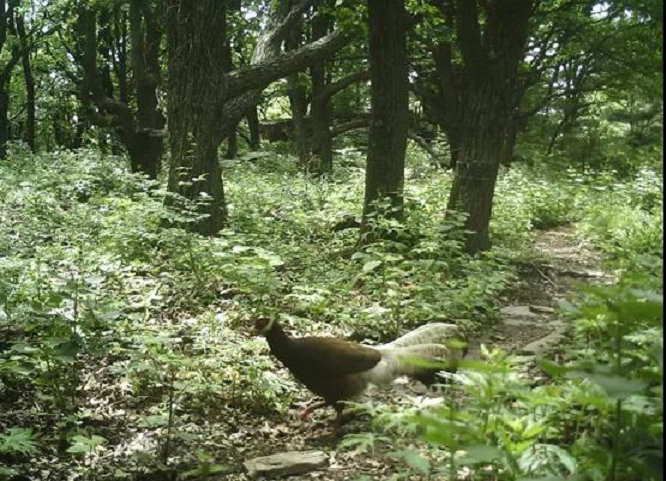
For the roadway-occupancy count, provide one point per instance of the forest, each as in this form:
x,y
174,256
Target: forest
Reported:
x,y
390,240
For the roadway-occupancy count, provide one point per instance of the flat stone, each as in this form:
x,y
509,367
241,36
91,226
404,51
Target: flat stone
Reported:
x,y
542,309
524,359
286,464
518,322
545,344
517,311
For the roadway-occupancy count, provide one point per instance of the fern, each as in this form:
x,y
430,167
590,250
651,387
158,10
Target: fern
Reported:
x,y
18,441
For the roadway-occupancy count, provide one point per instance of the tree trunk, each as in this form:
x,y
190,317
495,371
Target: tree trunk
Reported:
x,y
146,145
232,145
29,80
4,118
490,98
206,102
478,164
321,112
6,17
253,126
299,103
389,103
196,38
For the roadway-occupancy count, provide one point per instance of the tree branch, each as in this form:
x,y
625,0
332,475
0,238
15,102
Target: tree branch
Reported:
x,y
344,127
333,88
274,67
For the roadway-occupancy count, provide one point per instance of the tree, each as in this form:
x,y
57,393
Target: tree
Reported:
x,y
29,80
389,109
206,101
7,9
139,130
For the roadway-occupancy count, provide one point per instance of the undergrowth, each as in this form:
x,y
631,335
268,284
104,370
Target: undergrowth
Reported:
x,y
125,325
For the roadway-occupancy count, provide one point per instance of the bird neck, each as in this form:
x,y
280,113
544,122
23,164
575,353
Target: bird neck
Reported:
x,y
278,340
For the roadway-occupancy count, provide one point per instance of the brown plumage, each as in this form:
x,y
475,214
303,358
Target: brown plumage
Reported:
x,y
339,370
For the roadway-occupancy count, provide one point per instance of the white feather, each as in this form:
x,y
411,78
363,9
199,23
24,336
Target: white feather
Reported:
x,y
434,333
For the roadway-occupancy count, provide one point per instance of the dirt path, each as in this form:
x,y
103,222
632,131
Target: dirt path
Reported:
x,y
529,312
529,326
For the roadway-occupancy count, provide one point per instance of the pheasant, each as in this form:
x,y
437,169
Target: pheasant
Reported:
x,y
339,370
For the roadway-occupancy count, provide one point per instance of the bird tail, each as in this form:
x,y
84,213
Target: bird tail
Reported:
x,y
433,333
421,362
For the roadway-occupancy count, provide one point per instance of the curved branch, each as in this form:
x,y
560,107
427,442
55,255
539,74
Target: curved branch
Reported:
x,y
333,88
273,67
345,127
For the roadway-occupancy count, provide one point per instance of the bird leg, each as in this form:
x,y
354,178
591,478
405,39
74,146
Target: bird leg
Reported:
x,y
307,411
338,419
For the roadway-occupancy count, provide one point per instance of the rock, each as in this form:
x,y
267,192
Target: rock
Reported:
x,y
593,274
518,322
286,464
545,344
517,311
524,359
542,309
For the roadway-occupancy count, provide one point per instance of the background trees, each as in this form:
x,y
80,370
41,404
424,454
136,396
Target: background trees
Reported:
x,y
523,83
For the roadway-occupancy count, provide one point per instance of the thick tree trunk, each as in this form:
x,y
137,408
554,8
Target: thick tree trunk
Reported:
x,y
321,112
478,164
390,116
205,102
29,80
196,34
487,114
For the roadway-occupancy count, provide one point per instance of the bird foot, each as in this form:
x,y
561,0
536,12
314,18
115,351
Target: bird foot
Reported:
x,y
305,414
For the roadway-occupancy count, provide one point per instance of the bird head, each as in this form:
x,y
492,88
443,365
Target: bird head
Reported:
x,y
263,325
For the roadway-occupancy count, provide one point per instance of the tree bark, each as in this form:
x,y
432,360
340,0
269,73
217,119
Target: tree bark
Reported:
x,y
139,131
232,145
6,18
29,80
390,116
490,78
253,127
206,102
321,112
146,145
196,37
299,102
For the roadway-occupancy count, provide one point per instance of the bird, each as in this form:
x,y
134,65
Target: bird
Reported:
x,y
339,370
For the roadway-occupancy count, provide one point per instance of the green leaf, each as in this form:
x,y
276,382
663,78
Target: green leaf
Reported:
x,y
480,453
18,441
154,421
415,461
371,266
616,387
22,368
83,444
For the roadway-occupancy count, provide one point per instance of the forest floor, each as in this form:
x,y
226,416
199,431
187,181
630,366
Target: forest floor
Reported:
x,y
529,327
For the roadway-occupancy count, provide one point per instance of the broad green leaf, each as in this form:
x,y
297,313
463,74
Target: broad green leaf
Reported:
x,y
371,266
480,453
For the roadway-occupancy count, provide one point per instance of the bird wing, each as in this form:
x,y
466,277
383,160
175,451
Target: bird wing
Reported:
x,y
334,357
